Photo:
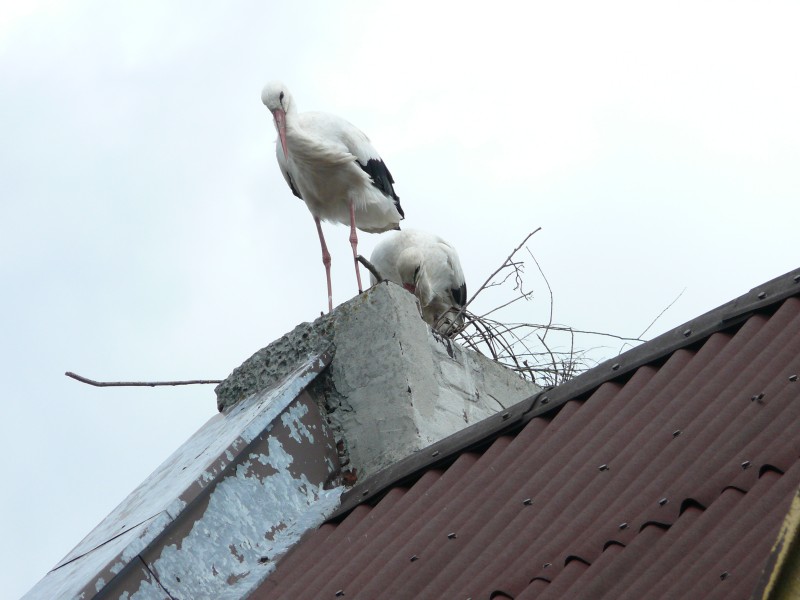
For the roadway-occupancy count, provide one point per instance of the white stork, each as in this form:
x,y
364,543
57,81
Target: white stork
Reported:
x,y
332,166
428,267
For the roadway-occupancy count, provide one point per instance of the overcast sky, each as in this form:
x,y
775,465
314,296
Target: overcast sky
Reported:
x,y
148,234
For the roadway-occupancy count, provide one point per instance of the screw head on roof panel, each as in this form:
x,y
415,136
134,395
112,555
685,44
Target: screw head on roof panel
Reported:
x,y
615,367
676,433
687,332
796,278
506,415
623,525
545,565
724,575
762,295
745,465
365,493
414,558
663,501
339,593
451,536
792,377
527,501
603,467
435,453
545,400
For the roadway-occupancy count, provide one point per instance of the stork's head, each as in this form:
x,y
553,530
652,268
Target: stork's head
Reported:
x,y
410,268
277,99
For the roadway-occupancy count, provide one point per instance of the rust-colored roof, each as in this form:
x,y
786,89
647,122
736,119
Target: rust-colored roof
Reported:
x,y
665,473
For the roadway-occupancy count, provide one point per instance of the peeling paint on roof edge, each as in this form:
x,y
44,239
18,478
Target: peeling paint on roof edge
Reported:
x,y
210,483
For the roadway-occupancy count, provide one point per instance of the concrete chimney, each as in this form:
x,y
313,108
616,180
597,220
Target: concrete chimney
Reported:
x,y
393,386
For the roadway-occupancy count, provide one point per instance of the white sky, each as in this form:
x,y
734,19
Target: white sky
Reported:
x,y
148,234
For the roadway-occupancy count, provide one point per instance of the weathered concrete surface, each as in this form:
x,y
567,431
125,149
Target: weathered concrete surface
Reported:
x,y
271,364
393,386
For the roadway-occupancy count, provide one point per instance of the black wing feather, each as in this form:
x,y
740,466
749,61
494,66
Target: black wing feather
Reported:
x,y
291,186
460,294
382,179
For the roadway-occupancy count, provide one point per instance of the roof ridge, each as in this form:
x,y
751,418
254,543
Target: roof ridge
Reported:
x,y
730,315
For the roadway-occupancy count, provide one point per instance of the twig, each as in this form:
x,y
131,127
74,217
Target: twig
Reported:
x,y
549,289
505,264
552,358
520,297
598,333
137,383
662,312
370,267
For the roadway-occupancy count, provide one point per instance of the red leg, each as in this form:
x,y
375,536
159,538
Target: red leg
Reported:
x,y
326,260
354,244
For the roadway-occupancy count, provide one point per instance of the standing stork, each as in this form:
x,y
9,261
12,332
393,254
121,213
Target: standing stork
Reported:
x,y
429,268
332,166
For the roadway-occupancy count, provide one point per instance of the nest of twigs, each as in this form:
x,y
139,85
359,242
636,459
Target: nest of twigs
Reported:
x,y
524,347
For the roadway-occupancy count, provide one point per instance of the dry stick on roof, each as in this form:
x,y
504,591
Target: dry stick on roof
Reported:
x,y
371,268
552,359
662,312
506,263
508,343
522,296
138,383
498,338
549,289
531,370
485,336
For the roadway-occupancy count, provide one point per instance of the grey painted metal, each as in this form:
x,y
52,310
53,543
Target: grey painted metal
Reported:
x,y
214,517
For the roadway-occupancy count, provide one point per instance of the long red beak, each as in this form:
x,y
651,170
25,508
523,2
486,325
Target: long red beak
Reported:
x,y
280,124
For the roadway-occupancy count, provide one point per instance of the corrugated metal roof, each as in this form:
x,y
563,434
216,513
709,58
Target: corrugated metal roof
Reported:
x,y
670,480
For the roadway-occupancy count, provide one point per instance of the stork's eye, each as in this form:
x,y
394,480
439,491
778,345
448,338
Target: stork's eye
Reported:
x,y
416,273
281,98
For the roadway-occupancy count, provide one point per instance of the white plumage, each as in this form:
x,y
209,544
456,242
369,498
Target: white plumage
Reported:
x,y
332,166
427,266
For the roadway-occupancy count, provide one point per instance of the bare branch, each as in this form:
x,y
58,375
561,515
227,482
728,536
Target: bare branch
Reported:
x,y
137,383
520,297
370,267
661,313
549,289
552,358
524,347
505,264
588,332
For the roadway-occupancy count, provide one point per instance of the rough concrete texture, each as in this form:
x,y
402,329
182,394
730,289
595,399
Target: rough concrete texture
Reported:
x,y
393,386
271,364
404,387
